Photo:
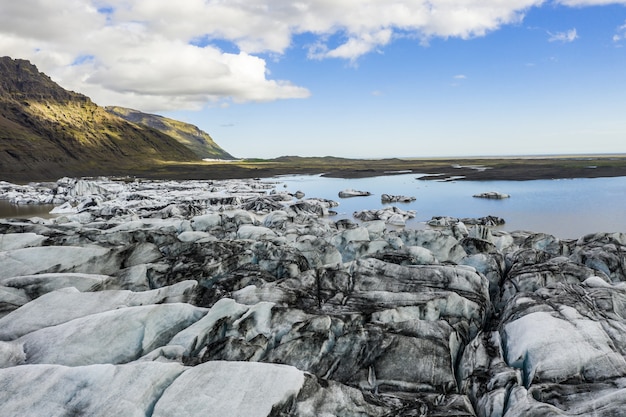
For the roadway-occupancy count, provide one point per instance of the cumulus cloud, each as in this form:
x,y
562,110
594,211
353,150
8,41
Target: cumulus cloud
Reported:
x,y
121,53
569,36
160,54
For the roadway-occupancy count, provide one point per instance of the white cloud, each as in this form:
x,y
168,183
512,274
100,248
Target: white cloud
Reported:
x,y
357,46
127,56
569,36
145,54
458,80
620,33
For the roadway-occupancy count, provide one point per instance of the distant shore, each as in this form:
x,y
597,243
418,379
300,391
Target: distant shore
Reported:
x,y
477,169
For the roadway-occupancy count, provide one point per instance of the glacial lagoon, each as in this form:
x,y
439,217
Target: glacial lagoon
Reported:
x,y
149,297
565,208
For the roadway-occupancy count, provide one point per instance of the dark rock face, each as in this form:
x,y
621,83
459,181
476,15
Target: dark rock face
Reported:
x,y
251,303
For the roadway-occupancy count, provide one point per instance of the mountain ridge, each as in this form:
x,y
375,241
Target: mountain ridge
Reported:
x,y
200,142
47,132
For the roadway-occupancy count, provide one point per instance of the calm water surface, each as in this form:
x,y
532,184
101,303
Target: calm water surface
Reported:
x,y
12,211
565,208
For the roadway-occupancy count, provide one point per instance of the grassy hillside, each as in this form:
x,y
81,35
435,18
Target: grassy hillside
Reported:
x,y
47,131
189,135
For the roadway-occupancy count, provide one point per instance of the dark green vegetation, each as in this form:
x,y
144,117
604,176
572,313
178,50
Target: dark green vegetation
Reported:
x,y
48,132
189,135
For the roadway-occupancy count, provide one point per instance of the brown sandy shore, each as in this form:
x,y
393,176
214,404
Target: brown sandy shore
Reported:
x,y
478,169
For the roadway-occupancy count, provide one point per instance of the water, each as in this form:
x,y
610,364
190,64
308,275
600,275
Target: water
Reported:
x,y
12,211
568,208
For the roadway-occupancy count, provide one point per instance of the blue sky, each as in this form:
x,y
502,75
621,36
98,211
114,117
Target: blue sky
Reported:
x,y
366,78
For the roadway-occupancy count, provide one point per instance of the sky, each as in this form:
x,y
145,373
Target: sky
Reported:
x,y
347,78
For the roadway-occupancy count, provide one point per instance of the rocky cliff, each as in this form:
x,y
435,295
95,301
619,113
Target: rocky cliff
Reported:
x,y
47,131
237,299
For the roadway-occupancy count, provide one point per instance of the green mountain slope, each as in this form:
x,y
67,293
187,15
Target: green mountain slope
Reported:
x,y
47,132
189,135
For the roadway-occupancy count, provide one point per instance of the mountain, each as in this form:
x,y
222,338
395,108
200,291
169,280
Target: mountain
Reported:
x,y
189,135
47,132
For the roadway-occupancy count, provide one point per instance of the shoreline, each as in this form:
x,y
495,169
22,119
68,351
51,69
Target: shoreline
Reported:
x,y
475,169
